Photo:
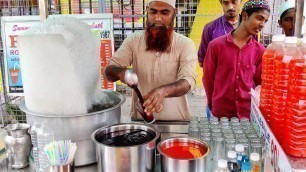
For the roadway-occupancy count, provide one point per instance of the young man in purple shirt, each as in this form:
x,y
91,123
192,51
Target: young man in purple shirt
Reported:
x,y
232,65
219,27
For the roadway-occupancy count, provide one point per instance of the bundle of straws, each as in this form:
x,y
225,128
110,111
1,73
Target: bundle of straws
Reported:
x,y
60,152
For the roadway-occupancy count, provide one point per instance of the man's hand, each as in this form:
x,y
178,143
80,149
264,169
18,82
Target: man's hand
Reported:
x,y
154,100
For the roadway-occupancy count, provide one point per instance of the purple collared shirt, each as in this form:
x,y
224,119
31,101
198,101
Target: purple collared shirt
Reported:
x,y
211,31
229,74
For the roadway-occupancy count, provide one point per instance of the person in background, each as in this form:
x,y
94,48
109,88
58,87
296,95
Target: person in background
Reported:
x,y
232,65
164,62
287,17
219,27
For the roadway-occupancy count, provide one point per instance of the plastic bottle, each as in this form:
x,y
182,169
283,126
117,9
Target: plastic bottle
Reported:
x,y
222,166
239,148
246,164
255,161
35,152
282,64
294,142
232,164
267,74
44,136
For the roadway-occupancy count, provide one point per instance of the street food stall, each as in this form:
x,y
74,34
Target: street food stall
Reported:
x,y
52,58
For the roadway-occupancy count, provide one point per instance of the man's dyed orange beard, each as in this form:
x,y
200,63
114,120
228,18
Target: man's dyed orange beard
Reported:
x,y
158,38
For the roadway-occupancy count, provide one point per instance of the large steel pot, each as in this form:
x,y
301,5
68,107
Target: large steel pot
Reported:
x,y
137,158
169,164
79,128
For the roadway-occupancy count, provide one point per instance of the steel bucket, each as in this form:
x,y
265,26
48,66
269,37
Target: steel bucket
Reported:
x,y
169,164
137,158
79,128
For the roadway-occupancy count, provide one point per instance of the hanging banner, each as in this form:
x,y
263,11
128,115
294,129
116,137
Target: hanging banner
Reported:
x,y
13,26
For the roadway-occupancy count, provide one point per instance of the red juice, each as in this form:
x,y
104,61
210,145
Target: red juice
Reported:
x,y
183,150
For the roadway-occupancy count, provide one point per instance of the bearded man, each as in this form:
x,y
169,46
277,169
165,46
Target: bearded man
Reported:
x,y
164,62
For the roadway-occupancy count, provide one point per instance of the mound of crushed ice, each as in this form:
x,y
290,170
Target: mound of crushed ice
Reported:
x,y
60,67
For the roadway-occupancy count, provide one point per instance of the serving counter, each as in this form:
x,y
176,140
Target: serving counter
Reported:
x,y
167,129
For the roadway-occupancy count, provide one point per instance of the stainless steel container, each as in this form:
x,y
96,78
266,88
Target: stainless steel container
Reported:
x,y
169,164
79,128
18,145
138,158
62,168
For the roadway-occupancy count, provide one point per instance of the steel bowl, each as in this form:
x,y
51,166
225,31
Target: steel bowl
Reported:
x,y
136,158
78,128
170,164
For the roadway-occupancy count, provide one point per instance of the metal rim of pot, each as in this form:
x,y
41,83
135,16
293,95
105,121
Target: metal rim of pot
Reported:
x,y
185,139
20,126
93,138
22,107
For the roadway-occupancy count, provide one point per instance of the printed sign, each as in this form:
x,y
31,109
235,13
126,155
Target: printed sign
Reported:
x,y
12,27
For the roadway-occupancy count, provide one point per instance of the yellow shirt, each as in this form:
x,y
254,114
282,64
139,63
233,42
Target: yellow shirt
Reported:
x,y
155,69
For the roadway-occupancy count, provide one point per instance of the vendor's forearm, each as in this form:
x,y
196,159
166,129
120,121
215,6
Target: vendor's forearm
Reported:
x,y
177,89
114,73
